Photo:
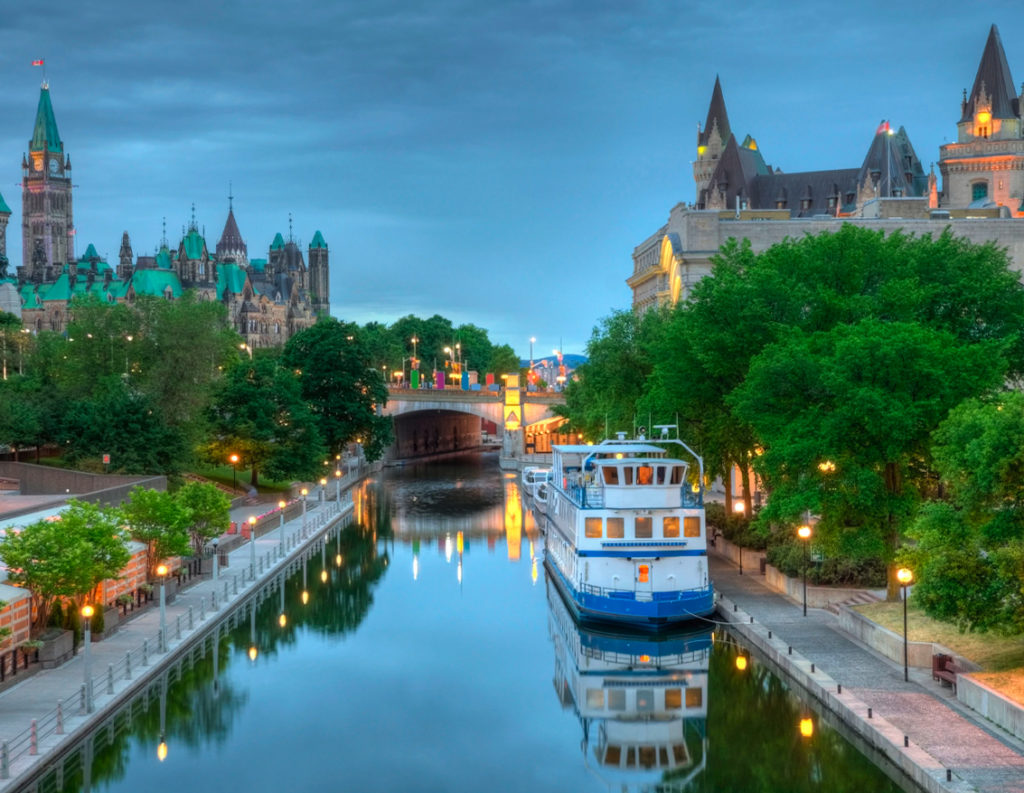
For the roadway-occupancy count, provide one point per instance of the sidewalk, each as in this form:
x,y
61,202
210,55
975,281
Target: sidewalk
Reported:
x,y
941,733
130,658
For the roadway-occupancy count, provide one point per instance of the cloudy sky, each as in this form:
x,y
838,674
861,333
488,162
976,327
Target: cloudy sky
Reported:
x,y
495,162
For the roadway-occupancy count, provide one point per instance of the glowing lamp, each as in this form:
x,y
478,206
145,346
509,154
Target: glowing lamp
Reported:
x,y
323,481
323,576
806,728
701,151
741,663
305,597
304,492
337,473
804,532
984,117
161,570
234,459
645,659
337,560
904,576
282,620
827,467
739,506
88,611
161,751
281,505
253,652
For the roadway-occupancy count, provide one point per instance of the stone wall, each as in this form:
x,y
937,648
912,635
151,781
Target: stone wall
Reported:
x,y
991,704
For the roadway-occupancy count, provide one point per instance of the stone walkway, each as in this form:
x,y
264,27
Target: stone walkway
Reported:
x,y
942,733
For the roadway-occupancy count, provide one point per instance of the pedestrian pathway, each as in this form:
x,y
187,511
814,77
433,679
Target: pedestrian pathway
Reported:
x,y
48,711
941,733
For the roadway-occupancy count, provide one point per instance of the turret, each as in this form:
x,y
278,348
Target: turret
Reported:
x,y
319,276
124,258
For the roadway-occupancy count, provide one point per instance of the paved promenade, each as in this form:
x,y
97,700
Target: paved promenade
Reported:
x,y
942,734
193,612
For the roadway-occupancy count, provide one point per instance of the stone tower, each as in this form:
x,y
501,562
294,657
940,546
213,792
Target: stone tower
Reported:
x,y
124,258
231,247
47,230
319,276
985,167
711,142
5,215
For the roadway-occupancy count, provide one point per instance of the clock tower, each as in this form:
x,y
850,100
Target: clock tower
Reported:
x,y
47,230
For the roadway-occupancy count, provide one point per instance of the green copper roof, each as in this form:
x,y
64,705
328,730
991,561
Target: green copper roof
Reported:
x,y
156,282
194,244
278,242
58,290
90,253
4,209
45,135
163,259
230,277
29,298
259,265
318,241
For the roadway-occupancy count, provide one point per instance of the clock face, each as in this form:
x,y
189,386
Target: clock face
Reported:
x,y
38,164
54,165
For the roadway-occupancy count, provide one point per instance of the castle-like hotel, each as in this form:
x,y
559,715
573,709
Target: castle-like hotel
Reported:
x,y
738,195
268,300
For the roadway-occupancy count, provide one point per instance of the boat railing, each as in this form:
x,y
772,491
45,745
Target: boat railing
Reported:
x,y
587,496
690,499
612,592
640,661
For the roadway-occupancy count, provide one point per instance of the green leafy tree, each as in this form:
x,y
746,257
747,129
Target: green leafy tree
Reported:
x,y
259,413
505,361
66,558
21,422
866,397
209,511
157,519
341,387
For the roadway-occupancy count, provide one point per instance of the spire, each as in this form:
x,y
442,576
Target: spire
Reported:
x,y
716,114
993,82
45,136
192,226
6,210
231,245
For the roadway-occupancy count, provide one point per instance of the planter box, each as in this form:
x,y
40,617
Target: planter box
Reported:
x,y
58,647
111,617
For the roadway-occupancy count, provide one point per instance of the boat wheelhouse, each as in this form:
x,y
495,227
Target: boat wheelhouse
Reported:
x,y
627,540
533,477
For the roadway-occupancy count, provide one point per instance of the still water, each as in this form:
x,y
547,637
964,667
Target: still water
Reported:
x,y
431,655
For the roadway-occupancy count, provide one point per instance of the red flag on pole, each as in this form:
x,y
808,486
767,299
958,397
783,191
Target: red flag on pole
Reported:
x,y
38,63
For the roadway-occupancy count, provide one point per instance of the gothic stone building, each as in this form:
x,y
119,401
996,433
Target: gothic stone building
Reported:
x,y
739,195
268,299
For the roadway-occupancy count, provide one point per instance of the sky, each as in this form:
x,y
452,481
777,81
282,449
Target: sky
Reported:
x,y
493,162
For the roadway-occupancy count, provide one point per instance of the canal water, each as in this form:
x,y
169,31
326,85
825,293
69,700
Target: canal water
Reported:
x,y
422,649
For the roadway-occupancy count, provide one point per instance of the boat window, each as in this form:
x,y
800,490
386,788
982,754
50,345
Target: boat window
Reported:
x,y
679,753
661,474
630,757
616,528
642,528
616,699
673,698
611,474
592,527
613,755
691,527
678,472
663,755
644,475
627,475
644,700
670,526
648,756
694,697
595,698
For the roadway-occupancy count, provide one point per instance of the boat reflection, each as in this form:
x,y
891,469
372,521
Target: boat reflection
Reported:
x,y
642,700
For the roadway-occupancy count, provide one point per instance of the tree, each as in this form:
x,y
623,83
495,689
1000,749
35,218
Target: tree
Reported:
x,y
67,557
865,397
209,512
157,519
504,361
259,413
341,387
20,419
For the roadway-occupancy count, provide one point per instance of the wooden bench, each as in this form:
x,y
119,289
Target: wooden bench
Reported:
x,y
945,669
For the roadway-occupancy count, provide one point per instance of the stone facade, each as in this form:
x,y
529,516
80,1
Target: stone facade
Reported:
x,y
740,196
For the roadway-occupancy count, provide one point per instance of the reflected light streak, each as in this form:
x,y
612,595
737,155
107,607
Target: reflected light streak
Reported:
x,y
415,568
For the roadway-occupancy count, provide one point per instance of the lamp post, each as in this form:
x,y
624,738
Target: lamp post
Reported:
x,y
252,549
323,488
161,571
234,472
304,494
87,612
253,649
905,576
246,348
282,620
216,560
281,505
804,533
337,486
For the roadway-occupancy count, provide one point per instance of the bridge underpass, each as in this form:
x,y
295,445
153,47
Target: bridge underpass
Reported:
x,y
428,432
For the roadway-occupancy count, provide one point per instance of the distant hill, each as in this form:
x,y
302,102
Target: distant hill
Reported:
x,y
571,361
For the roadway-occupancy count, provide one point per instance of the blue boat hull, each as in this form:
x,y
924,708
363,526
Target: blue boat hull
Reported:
x,y
664,609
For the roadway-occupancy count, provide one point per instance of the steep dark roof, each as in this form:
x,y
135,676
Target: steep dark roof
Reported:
x,y
231,239
736,170
994,75
817,187
716,112
44,133
883,166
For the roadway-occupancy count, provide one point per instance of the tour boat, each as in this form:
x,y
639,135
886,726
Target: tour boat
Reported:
x,y
641,699
533,477
626,539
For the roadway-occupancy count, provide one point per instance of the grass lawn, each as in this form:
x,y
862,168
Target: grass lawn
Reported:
x,y
1001,657
223,474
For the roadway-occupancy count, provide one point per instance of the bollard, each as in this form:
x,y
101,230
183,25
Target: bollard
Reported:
x,y
145,652
261,565
839,688
33,742
110,678
812,669
81,696
790,650
769,634
177,627
735,608
226,596
235,582
202,609
751,620
190,618
5,767
906,741
213,600
949,774
128,666
869,713
60,718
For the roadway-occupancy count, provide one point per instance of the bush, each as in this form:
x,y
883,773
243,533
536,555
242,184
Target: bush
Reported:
x,y
788,558
736,528
98,622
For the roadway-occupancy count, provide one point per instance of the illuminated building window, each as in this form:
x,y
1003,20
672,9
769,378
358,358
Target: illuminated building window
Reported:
x,y
616,699
694,697
670,526
616,529
691,527
673,698
643,528
592,527
595,698
979,190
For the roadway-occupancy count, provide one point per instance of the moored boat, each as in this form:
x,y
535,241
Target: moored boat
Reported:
x,y
627,539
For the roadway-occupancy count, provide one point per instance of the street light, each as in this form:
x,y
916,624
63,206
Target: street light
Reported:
x,y
323,486
806,728
281,505
252,549
304,494
804,533
161,571
87,612
216,572
234,472
337,488
905,576
246,348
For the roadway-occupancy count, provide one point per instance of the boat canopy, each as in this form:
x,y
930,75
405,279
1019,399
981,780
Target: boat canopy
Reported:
x,y
609,449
